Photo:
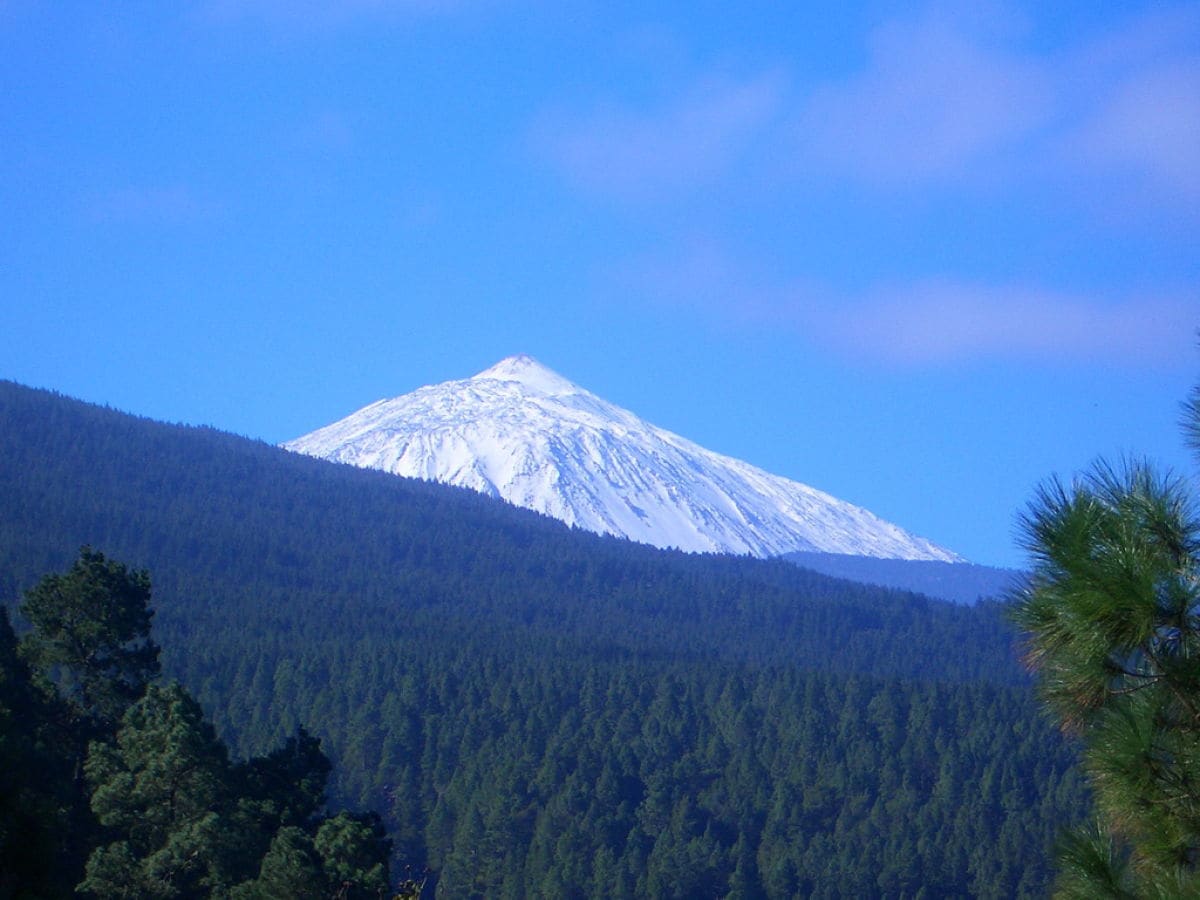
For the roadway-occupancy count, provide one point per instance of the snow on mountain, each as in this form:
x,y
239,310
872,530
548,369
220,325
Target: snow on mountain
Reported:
x,y
520,432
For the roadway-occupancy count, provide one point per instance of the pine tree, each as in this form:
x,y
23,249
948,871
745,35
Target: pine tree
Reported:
x,y
290,870
1112,613
34,780
91,654
161,790
354,853
115,785
91,629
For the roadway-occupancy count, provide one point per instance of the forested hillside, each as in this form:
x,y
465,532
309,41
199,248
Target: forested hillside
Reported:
x,y
960,582
543,712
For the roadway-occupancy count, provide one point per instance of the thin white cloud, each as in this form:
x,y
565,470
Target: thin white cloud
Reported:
x,y
1147,126
941,100
645,155
944,104
935,99
930,323
947,98
941,322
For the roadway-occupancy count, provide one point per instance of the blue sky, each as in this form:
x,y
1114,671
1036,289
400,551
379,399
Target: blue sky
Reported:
x,y
920,256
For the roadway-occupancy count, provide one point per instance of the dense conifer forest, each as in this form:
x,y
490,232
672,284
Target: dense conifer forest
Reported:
x,y
536,711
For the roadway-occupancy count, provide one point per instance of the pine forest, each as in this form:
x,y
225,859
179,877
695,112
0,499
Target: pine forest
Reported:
x,y
532,711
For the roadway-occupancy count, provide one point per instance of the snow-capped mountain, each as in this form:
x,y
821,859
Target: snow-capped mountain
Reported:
x,y
523,433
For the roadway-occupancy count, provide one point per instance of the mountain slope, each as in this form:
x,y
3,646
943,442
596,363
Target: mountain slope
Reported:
x,y
243,536
523,433
539,711
957,582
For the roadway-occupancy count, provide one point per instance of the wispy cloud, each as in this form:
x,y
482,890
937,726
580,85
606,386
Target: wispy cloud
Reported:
x,y
935,99
1147,126
943,99
1133,97
639,155
933,322
947,322
951,105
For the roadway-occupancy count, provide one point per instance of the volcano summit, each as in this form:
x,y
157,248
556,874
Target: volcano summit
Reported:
x,y
525,434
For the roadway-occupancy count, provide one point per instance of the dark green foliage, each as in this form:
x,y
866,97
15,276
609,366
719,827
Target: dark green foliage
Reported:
x,y
90,655
1091,866
290,870
34,779
161,788
559,779
541,712
346,859
1113,618
156,809
167,791
91,630
353,852
284,788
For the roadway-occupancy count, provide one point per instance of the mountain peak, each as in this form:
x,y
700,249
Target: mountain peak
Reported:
x,y
527,371
522,432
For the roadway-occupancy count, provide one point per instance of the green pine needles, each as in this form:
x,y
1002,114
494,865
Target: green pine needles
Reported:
x,y
1112,615
114,784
